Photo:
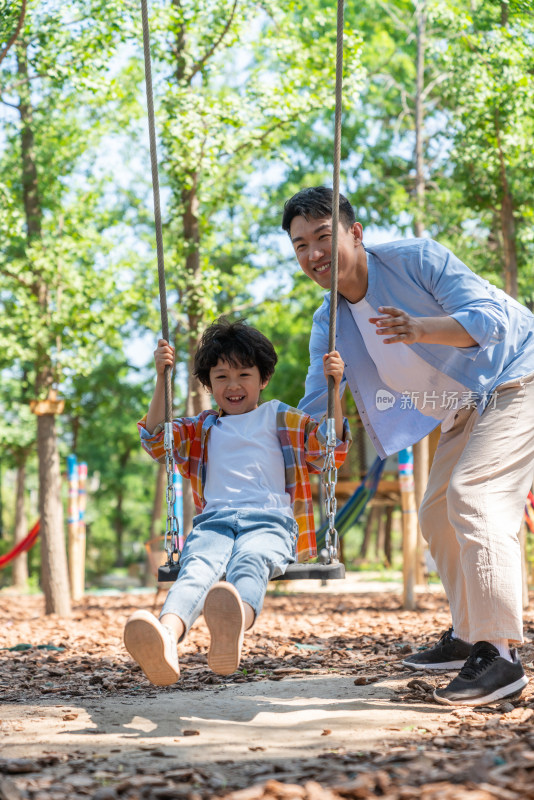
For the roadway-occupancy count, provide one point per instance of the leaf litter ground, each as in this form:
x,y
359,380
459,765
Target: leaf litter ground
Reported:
x,y
476,754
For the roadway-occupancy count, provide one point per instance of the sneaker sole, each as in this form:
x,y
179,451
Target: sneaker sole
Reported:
x,y
500,694
225,618
146,646
448,665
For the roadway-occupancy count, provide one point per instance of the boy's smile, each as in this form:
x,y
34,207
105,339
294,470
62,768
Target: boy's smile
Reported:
x,y
236,388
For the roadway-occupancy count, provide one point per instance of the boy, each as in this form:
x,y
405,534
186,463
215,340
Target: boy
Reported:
x,y
248,465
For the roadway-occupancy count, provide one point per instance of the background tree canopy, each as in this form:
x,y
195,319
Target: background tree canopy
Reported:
x,y
438,140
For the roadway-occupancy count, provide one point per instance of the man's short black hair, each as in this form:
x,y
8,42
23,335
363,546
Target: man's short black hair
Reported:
x,y
236,343
316,203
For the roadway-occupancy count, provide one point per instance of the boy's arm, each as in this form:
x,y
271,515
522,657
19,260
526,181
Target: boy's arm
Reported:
x,y
314,401
315,444
333,366
163,356
315,433
184,431
151,426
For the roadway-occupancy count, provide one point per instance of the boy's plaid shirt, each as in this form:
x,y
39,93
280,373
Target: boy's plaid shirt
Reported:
x,y
303,442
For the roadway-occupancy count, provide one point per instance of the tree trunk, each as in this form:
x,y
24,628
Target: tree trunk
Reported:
x,y
198,399
419,119
421,468
119,530
388,549
55,579
119,516
508,234
20,564
507,219
30,185
420,450
54,576
372,518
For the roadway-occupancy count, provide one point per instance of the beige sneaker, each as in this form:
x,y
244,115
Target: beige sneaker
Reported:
x,y
225,618
153,646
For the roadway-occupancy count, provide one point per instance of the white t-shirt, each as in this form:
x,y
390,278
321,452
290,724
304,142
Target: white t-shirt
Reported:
x,y
245,466
429,390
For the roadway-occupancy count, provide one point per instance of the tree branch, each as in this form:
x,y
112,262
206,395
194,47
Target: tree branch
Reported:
x,y
17,278
396,19
11,105
428,88
207,55
14,36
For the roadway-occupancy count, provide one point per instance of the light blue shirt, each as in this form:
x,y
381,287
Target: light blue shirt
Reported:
x,y
424,279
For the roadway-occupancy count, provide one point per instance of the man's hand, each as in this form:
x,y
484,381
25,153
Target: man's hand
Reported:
x,y
401,327
333,365
397,324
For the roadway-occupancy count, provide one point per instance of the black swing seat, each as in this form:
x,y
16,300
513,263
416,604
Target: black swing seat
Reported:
x,y
294,572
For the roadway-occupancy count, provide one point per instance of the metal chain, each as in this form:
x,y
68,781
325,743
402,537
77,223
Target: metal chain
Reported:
x,y
329,473
329,478
172,528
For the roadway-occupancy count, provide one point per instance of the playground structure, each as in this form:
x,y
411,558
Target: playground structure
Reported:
x,y
77,499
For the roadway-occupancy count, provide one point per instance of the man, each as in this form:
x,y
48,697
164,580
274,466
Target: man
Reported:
x,y
425,342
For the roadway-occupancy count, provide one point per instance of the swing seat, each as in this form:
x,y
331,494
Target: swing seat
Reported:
x,y
313,571
295,572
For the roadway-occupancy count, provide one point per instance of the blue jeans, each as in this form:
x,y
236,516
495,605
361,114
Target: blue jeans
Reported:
x,y
250,545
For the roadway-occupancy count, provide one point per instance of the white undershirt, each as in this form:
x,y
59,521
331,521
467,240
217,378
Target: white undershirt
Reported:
x,y
245,466
432,392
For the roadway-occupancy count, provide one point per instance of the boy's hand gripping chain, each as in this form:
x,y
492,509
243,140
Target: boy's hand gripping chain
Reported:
x,y
329,478
171,530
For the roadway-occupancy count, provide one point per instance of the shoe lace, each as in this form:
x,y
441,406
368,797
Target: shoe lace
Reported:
x,y
446,637
477,663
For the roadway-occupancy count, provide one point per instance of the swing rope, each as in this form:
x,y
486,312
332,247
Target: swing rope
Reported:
x,y
329,473
172,528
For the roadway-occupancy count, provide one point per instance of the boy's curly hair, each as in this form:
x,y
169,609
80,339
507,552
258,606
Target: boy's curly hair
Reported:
x,y
234,342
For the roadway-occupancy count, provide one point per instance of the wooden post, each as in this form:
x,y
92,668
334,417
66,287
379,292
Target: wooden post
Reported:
x,y
420,474
73,518
77,475
409,527
79,591
524,561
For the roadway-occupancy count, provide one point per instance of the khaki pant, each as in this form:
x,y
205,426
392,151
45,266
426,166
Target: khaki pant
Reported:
x,y
472,510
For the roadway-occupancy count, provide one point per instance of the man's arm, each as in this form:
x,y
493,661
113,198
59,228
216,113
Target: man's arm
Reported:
x,y
401,327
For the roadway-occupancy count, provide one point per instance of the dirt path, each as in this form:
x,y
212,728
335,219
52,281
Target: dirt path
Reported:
x,y
322,708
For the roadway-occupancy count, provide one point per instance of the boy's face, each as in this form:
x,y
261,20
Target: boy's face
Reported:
x,y
236,389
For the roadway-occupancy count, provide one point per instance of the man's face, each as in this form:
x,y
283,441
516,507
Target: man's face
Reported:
x,y
312,241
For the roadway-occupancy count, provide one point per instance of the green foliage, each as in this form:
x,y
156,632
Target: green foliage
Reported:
x,y
490,96
237,81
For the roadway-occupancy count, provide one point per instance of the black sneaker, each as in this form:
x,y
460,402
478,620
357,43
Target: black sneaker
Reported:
x,y
485,677
447,653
